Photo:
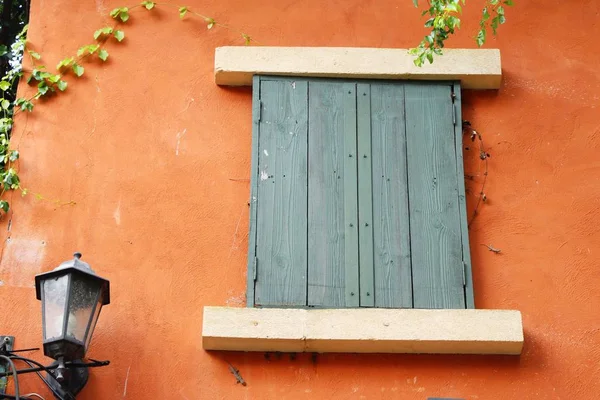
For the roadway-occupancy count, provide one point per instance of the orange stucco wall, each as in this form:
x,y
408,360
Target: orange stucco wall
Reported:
x,y
155,156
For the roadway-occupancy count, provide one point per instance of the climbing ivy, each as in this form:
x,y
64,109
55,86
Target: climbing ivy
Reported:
x,y
444,20
51,81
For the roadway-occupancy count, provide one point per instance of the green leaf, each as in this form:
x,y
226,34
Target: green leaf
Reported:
x,y
119,35
494,23
148,4
40,75
509,2
5,104
103,54
430,58
14,156
3,50
4,205
209,23
124,15
23,31
43,88
65,63
90,49
452,7
34,54
416,3
107,30
25,104
54,78
486,14
182,12
62,85
78,69
4,86
480,38
247,39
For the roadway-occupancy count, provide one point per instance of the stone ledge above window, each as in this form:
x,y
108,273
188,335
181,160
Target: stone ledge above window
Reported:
x,y
363,330
474,68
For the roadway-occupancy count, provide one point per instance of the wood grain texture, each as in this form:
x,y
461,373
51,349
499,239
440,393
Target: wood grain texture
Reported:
x,y
392,251
254,178
332,202
365,195
460,172
351,244
436,244
281,235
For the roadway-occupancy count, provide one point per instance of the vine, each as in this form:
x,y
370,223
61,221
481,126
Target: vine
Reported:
x,y
483,156
51,83
444,20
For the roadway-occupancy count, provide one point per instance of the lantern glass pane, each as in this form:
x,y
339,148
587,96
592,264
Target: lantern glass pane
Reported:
x,y
84,294
55,297
94,319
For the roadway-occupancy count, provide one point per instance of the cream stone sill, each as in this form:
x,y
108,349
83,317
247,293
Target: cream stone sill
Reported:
x,y
476,69
363,330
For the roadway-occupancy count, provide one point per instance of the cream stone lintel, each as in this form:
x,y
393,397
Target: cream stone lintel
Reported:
x,y
363,330
475,68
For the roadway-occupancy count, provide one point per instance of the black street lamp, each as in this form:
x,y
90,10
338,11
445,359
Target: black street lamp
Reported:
x,y
72,297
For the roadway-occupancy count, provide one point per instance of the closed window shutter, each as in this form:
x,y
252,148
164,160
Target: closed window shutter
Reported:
x,y
435,226
281,194
356,196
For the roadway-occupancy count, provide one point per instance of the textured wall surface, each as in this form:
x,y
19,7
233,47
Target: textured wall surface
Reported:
x,y
155,155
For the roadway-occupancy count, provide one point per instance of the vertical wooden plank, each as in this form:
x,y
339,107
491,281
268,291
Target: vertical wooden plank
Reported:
x,y
253,190
464,223
437,265
365,195
281,243
332,203
391,230
351,245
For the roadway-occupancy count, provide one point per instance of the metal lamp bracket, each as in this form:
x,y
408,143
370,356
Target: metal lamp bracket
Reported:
x,y
6,342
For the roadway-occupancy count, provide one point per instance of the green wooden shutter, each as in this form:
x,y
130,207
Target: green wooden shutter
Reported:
x,y
281,194
357,195
435,226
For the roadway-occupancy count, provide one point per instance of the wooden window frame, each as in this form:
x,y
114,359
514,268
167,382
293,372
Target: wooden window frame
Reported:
x,y
445,331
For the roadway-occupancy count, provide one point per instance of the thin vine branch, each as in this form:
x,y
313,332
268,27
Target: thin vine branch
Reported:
x,y
49,83
483,156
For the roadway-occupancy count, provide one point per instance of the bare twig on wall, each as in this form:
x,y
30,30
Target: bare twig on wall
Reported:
x,y
483,156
